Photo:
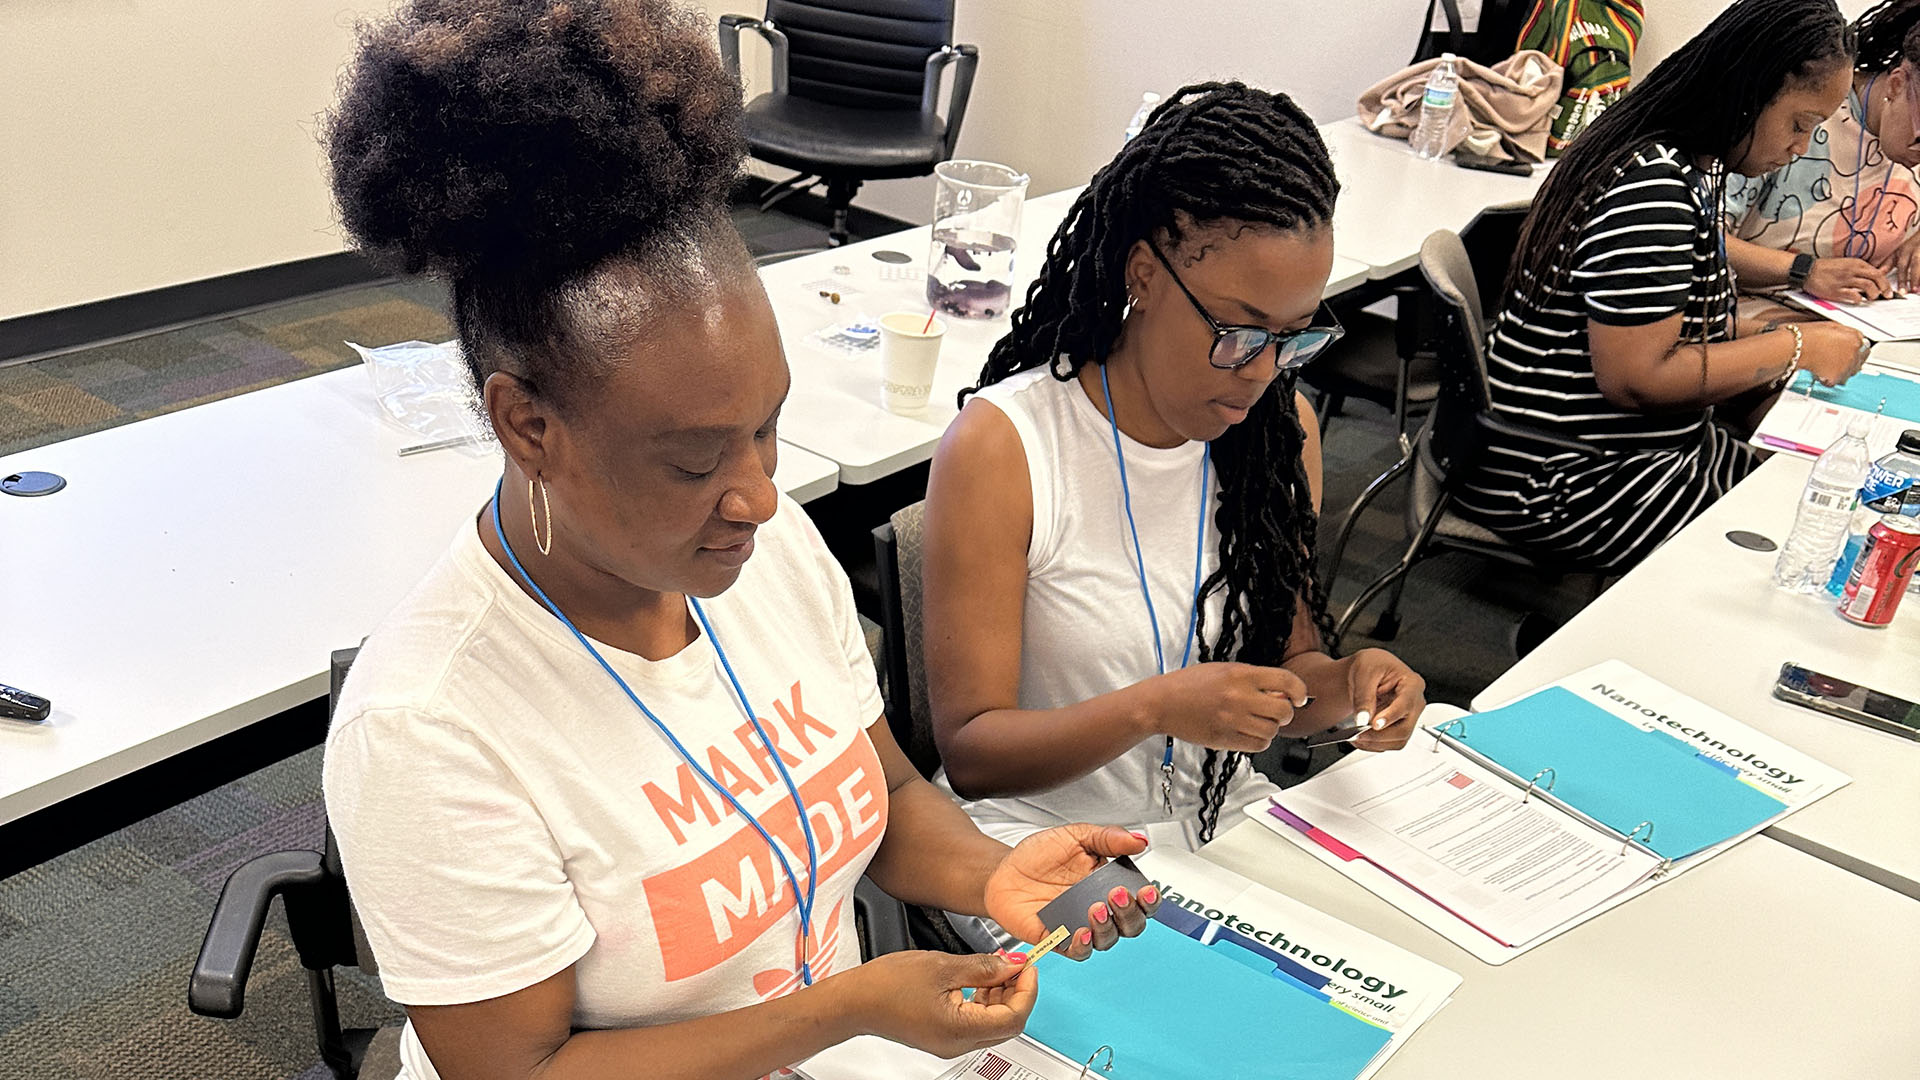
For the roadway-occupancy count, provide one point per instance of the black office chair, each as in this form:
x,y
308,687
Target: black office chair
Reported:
x,y
1383,360
897,548
856,87
1489,240
327,935
1389,361
1461,422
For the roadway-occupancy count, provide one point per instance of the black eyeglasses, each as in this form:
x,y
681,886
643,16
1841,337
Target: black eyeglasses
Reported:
x,y
1234,347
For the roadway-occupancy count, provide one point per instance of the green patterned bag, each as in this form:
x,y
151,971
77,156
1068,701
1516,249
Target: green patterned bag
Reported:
x,y
1593,40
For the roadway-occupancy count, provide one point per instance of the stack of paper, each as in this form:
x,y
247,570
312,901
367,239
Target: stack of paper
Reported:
x,y
1524,821
1895,319
1807,418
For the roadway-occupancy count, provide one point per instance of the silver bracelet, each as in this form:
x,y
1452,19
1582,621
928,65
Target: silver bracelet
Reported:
x,y
1793,365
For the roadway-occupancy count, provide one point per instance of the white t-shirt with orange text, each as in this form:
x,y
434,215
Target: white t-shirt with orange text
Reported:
x,y
503,811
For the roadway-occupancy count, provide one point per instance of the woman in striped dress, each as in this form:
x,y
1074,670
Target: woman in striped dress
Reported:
x,y
1619,330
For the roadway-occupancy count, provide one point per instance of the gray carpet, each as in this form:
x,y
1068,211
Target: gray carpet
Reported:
x,y
95,945
98,943
91,389
1459,612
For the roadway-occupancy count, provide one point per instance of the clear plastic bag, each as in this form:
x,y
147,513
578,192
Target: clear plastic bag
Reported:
x,y
854,335
426,388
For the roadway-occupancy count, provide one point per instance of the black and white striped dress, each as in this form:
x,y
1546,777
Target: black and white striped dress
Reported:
x,y
1649,249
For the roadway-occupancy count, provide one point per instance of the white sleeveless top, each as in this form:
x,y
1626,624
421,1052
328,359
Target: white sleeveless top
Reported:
x,y
1085,631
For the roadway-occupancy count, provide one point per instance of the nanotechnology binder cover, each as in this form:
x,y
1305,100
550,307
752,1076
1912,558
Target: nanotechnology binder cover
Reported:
x,y
1618,774
1172,1008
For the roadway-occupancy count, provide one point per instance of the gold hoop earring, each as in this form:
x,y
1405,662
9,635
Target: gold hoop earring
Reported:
x,y
545,546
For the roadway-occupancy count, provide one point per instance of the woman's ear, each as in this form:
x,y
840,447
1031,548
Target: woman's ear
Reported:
x,y
519,419
1141,273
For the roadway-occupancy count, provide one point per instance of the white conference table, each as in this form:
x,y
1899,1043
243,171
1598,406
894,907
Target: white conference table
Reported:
x,y
1391,200
1701,615
201,566
834,408
1762,963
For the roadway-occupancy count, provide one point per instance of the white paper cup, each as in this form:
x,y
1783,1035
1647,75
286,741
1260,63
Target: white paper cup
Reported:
x,y
908,355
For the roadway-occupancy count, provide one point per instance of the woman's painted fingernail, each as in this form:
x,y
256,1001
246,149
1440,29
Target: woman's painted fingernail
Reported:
x,y
1140,836
1149,895
1085,937
1100,913
1016,957
1119,897
1363,718
1304,702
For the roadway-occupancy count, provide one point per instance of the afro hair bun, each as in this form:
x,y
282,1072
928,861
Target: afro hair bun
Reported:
x,y
485,138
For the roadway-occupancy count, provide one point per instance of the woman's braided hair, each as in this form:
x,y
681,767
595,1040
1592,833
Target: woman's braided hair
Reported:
x,y
1703,101
1212,155
1882,32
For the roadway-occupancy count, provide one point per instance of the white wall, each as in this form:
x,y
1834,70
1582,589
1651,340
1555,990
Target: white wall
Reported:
x,y
1671,22
144,143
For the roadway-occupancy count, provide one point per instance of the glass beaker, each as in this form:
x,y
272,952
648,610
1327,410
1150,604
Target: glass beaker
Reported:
x,y
976,220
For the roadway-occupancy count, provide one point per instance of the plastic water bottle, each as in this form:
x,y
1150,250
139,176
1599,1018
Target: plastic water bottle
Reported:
x,y
1148,102
1826,508
1436,109
1892,487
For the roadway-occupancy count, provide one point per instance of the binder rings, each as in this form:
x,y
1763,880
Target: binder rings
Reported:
x,y
1649,789
1502,829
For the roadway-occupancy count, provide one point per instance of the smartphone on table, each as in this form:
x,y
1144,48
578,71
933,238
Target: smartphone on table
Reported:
x,y
1492,164
1848,701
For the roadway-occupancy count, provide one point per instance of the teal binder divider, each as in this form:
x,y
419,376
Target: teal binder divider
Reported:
x,y
1174,1009
1618,774
1865,391
1253,961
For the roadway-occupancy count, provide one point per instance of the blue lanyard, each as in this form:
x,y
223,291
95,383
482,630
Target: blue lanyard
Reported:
x,y
804,904
1140,568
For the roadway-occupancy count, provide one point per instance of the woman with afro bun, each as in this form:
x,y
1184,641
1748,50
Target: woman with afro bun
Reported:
x,y
566,775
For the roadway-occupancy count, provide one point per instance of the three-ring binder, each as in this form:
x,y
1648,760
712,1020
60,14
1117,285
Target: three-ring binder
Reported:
x,y
1639,837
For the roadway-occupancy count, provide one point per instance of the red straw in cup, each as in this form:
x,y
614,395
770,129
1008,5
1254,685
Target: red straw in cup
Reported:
x,y
929,325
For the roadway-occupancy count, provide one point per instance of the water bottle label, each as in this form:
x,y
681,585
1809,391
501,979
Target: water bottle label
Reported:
x,y
1827,500
1439,98
1884,484
1901,500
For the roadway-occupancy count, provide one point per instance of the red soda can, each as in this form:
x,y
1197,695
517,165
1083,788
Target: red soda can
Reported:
x,y
1881,574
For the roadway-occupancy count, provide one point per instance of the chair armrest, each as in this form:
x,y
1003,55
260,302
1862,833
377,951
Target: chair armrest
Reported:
x,y
883,920
218,985
1494,425
968,57
730,28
